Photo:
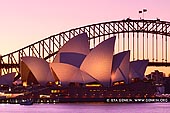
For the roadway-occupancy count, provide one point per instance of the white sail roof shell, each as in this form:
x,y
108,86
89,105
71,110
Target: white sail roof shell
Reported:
x,y
7,79
78,44
138,68
98,63
120,67
68,73
39,68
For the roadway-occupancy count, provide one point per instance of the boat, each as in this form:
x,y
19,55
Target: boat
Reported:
x,y
26,102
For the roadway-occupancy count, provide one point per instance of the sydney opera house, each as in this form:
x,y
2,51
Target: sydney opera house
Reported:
x,y
80,71
76,63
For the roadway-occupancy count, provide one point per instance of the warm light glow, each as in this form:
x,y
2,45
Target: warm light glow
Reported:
x,y
50,83
57,82
1,93
24,84
116,83
93,85
10,95
119,83
55,91
44,96
122,82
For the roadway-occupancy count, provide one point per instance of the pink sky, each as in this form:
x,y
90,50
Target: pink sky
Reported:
x,y
23,22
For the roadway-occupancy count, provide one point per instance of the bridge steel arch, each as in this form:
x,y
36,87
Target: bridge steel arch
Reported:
x,y
147,39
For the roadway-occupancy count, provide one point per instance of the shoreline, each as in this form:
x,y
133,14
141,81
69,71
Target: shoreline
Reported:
x,y
86,100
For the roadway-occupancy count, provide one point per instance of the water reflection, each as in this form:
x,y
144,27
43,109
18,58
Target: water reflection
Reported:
x,y
87,108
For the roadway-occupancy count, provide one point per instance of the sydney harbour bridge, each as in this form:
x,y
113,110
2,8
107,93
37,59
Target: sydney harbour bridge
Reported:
x,y
146,39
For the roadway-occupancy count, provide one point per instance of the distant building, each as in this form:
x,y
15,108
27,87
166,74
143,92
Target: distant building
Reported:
x,y
156,76
158,79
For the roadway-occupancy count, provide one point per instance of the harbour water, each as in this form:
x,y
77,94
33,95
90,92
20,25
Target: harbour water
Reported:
x,y
87,108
